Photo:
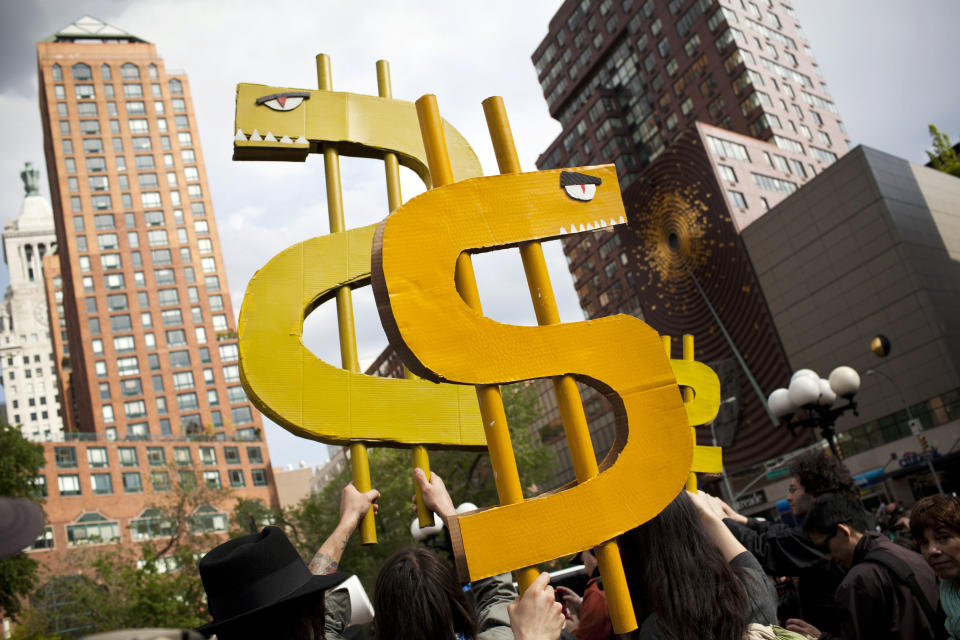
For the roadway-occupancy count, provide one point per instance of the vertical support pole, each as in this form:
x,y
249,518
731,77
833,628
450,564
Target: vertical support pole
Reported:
x,y
394,199
502,459
568,396
359,461
688,397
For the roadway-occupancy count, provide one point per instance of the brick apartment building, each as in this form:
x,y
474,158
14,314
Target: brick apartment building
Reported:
x,y
143,330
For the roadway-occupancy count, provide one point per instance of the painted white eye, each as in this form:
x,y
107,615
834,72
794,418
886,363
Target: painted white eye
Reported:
x,y
583,192
283,103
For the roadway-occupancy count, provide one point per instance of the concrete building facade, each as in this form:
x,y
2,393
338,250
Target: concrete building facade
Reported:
x,y
26,352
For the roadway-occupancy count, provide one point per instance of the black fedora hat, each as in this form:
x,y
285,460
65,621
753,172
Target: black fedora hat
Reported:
x,y
249,574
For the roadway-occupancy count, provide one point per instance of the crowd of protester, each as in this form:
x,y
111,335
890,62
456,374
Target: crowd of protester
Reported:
x,y
697,570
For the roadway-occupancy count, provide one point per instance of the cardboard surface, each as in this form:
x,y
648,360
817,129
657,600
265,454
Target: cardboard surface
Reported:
x,y
441,338
288,383
359,125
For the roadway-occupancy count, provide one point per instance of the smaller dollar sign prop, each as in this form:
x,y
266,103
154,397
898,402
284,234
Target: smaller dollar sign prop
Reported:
x,y
298,391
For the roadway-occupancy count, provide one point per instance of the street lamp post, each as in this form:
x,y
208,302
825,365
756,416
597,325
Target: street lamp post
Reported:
x,y
809,401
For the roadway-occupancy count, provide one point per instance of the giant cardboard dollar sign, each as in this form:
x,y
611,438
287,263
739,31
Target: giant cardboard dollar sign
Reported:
x,y
440,337
297,390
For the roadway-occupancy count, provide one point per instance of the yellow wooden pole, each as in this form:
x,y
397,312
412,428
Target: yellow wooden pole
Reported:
x,y
421,458
688,397
359,462
502,459
568,396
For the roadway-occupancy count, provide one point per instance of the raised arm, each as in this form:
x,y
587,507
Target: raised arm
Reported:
x,y
353,506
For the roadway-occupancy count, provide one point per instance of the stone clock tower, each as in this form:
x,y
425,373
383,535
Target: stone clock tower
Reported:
x,y
26,351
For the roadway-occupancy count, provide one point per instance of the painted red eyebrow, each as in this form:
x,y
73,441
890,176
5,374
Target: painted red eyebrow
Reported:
x,y
287,94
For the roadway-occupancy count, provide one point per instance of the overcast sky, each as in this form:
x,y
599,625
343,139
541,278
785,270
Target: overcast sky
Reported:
x,y
885,62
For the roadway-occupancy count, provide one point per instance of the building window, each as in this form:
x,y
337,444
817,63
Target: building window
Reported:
x,y
259,477
97,456
211,479
68,484
727,173
66,457
45,541
160,480
102,483
208,456
737,199
181,456
151,524
132,482
92,528
254,455
127,456
236,478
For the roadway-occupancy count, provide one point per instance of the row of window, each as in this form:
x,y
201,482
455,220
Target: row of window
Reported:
x,y
97,458
98,164
93,528
100,183
82,72
68,484
139,143
134,409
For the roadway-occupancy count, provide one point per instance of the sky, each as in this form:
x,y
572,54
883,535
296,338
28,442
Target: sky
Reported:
x,y
883,60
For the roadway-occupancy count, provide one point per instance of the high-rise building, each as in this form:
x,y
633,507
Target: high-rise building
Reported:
x,y
26,352
148,313
625,78
144,339
713,111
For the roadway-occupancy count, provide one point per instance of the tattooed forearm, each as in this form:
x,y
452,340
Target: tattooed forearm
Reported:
x,y
322,564
327,559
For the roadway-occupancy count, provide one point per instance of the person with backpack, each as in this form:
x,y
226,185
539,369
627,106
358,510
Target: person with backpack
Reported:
x,y
888,592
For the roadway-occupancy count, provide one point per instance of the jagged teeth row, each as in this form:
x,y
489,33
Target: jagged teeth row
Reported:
x,y
256,137
591,226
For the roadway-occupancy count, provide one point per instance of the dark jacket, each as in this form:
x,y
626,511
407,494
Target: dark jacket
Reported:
x,y
875,604
787,551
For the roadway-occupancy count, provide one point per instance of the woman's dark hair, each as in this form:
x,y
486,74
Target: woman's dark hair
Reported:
x,y
820,474
674,570
935,512
417,596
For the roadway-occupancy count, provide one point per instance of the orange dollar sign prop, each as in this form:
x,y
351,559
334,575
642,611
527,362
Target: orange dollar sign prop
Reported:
x,y
416,250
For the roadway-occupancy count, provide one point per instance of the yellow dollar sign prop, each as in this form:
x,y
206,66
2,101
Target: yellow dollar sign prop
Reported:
x,y
705,459
289,384
420,247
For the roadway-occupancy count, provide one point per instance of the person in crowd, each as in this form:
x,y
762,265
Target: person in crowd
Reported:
x,y
689,577
888,592
588,618
783,550
935,524
258,586
417,594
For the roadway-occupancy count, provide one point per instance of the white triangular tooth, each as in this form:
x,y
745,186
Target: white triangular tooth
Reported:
x,y
563,231
597,225
622,220
302,140
612,222
255,135
589,227
286,140
270,137
581,228
240,137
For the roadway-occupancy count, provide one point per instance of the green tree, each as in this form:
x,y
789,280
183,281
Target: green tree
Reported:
x,y
20,462
156,585
943,157
467,475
